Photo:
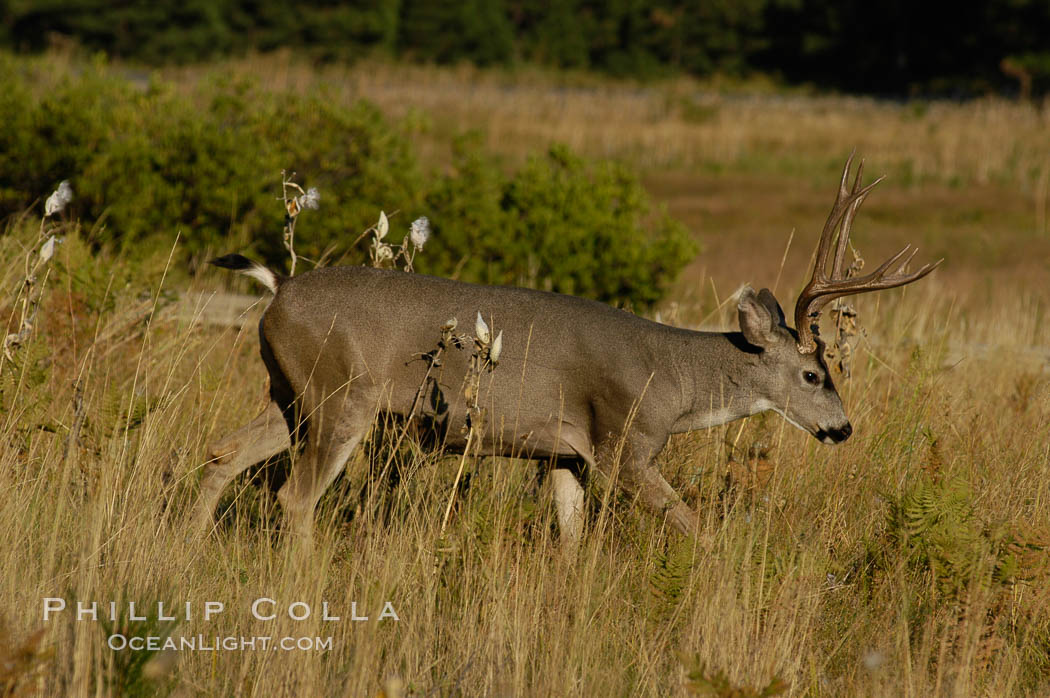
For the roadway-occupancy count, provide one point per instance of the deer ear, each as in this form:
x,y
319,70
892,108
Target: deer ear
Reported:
x,y
766,298
760,317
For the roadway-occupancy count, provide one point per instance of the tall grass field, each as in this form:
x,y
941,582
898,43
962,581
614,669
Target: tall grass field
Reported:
x,y
911,560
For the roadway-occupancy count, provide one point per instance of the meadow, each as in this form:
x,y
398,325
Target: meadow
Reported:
x,y
912,560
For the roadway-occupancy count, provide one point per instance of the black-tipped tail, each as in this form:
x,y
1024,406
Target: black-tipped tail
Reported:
x,y
236,262
243,265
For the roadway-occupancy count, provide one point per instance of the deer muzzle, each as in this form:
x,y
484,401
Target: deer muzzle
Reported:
x,y
835,435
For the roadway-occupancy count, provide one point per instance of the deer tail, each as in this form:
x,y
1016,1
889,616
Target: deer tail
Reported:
x,y
242,265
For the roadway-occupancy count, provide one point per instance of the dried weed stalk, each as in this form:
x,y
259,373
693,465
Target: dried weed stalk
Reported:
x,y
385,255
839,353
485,357
37,265
293,206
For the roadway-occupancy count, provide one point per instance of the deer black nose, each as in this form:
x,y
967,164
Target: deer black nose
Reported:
x,y
835,435
839,435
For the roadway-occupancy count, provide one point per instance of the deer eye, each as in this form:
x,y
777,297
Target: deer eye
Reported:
x,y
811,377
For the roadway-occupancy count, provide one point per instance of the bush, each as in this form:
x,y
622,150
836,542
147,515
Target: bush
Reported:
x,y
147,162
558,224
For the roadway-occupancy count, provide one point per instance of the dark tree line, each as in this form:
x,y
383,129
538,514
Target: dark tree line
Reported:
x,y
892,47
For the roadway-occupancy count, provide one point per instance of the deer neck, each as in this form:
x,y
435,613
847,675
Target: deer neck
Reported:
x,y
718,380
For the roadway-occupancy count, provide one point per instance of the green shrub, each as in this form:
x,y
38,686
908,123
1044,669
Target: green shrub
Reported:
x,y
147,161
558,224
152,162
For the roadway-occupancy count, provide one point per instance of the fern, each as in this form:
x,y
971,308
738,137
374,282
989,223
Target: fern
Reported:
x,y
25,375
935,526
670,577
143,672
120,415
933,530
706,682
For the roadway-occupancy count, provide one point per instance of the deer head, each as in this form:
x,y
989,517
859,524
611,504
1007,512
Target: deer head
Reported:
x,y
791,366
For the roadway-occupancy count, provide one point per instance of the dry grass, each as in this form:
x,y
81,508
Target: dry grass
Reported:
x,y
809,580
744,165
685,124
792,588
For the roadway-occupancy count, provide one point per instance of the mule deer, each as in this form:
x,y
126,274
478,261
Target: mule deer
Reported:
x,y
578,380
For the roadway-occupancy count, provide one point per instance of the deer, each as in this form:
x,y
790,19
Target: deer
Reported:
x,y
580,384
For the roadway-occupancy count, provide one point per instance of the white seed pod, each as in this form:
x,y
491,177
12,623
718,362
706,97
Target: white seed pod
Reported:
x,y
419,232
450,325
59,199
47,250
311,199
497,348
382,227
481,330
384,253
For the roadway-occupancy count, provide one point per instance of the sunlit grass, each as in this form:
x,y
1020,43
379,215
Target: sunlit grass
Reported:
x,y
804,583
704,126
910,560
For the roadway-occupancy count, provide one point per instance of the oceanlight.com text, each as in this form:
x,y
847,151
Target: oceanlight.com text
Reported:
x,y
216,643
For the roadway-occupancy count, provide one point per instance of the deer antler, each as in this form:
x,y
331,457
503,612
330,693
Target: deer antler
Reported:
x,y
822,288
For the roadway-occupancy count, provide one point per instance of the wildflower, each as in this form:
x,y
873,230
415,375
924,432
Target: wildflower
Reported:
x,y
311,199
481,330
58,200
419,232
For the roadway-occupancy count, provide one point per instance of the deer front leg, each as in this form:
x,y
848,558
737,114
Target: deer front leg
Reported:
x,y
659,496
640,476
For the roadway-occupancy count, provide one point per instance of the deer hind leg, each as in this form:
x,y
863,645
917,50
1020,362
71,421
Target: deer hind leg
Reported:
x,y
264,436
569,502
576,457
329,444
